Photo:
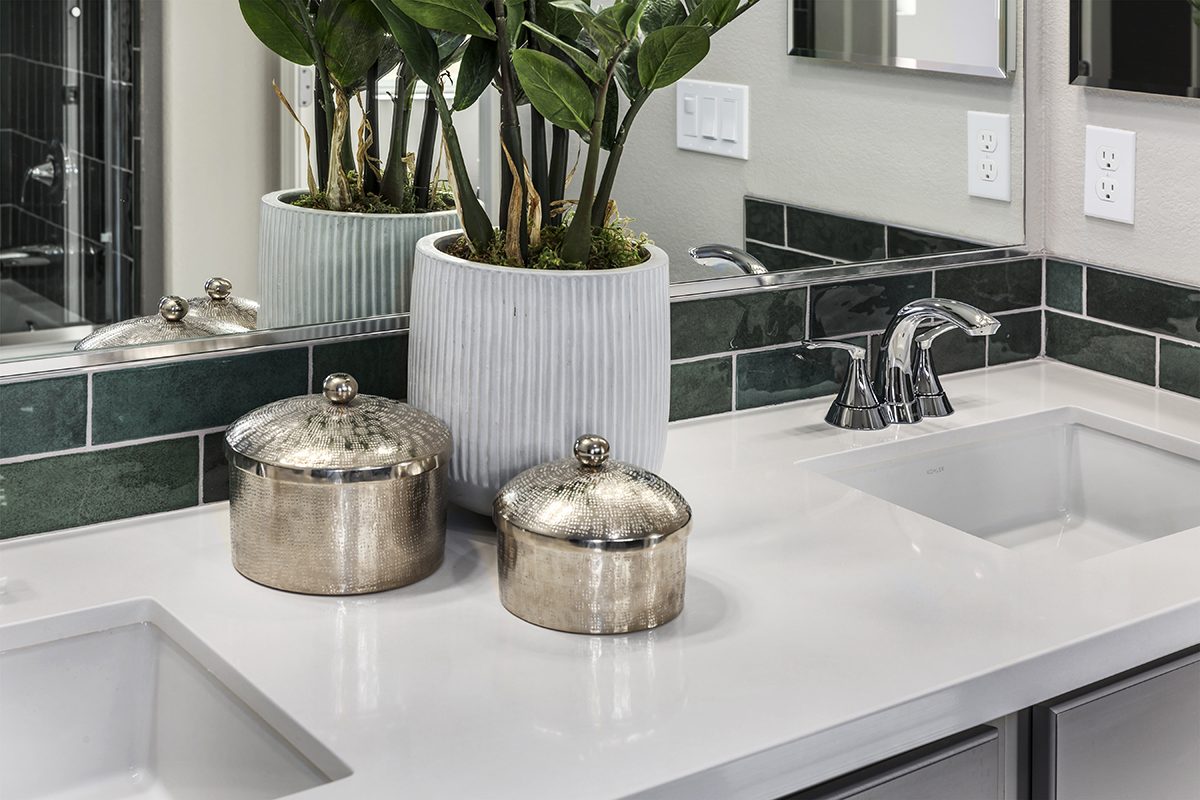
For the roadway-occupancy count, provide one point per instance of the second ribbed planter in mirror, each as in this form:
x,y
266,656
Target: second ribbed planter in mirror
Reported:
x,y
520,362
324,266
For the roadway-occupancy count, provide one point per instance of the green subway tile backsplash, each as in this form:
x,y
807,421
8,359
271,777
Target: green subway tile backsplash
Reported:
x,y
1143,303
1064,286
864,305
144,402
1179,368
835,236
379,364
1019,338
83,488
954,351
902,243
777,376
994,287
700,388
776,259
737,322
214,483
764,221
1099,347
42,416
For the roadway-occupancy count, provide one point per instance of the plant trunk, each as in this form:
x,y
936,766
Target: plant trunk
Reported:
x,y
422,173
474,219
322,132
370,181
577,243
510,136
538,165
557,178
395,176
614,161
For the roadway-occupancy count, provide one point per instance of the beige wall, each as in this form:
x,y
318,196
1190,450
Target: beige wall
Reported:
x,y
887,144
220,144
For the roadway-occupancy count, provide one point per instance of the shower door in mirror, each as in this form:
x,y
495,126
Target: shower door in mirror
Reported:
x,y
69,153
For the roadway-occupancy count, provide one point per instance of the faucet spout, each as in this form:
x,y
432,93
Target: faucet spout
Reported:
x,y
897,350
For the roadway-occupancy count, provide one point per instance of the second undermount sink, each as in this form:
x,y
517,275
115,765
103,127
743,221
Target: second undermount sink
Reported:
x,y
123,701
1065,485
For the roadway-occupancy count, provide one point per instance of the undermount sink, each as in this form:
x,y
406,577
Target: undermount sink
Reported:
x,y
1064,485
122,700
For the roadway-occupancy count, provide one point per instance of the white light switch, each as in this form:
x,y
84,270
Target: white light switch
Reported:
x,y
713,118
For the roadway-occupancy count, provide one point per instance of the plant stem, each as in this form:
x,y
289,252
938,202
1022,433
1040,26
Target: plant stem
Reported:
x,y
556,182
577,242
614,160
421,174
510,133
370,181
327,102
395,175
538,166
474,219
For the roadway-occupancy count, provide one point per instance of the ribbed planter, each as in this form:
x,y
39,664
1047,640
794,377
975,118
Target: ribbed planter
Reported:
x,y
325,266
520,362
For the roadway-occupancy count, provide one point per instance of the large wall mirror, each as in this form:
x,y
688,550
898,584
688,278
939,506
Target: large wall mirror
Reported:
x,y
1148,46
81,231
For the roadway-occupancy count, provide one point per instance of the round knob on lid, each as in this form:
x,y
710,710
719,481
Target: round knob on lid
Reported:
x,y
173,308
218,288
591,449
340,388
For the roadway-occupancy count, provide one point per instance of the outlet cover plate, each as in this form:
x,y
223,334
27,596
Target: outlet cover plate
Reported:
x,y
713,118
1108,193
989,139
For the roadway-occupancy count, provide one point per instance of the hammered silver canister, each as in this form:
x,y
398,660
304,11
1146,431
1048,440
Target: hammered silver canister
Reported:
x,y
337,493
590,545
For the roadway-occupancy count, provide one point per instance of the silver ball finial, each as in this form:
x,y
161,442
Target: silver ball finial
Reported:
x,y
591,449
172,308
218,288
340,388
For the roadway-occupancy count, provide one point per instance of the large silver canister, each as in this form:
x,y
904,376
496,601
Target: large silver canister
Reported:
x,y
589,545
337,494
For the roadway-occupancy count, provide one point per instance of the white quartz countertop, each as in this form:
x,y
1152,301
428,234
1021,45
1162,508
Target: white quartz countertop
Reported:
x,y
823,629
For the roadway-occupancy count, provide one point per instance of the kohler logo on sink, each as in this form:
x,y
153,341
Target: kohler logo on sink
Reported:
x,y
935,470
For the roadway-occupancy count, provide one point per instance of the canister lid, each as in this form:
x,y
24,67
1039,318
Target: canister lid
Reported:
x,y
172,322
220,303
592,501
338,436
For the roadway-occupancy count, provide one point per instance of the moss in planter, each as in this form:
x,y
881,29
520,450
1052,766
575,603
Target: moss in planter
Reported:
x,y
442,199
613,246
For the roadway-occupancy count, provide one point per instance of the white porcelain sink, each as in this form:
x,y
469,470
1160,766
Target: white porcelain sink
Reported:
x,y
1066,484
123,701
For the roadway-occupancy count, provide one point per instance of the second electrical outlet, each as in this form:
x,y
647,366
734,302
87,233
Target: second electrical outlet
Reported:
x,y
989,155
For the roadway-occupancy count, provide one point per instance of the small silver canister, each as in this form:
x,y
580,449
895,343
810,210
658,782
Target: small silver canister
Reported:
x,y
337,494
588,545
172,322
220,303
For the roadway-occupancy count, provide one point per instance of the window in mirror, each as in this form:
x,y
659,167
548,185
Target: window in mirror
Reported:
x,y
967,37
1137,45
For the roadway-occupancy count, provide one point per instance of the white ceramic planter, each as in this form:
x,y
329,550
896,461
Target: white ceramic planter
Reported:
x,y
520,362
325,266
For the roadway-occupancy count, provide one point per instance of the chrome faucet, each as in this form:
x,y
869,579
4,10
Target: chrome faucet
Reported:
x,y
735,255
894,373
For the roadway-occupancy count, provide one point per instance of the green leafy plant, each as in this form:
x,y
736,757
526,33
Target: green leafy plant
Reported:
x,y
563,57
350,46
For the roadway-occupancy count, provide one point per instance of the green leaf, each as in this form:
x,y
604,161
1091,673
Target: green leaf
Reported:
x,y
606,33
555,90
662,13
591,68
579,8
514,10
277,24
475,73
720,12
559,21
418,44
620,13
608,132
450,47
350,32
457,16
670,53
626,72
635,21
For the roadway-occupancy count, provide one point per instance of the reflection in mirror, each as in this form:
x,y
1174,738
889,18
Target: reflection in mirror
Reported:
x,y
968,37
1137,45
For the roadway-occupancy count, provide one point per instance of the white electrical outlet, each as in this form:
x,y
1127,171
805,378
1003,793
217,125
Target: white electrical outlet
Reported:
x,y
989,155
1109,174
713,118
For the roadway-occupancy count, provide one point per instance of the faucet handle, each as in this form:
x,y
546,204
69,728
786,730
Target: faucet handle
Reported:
x,y
928,389
856,407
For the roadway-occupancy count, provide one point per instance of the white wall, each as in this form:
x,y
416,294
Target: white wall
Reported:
x,y
887,144
1165,240
220,144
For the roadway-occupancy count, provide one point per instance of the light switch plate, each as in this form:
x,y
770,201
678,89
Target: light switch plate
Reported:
x,y
989,155
1108,173
713,118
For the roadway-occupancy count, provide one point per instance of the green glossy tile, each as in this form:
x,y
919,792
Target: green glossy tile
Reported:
x,y
700,388
215,480
902,242
1179,367
954,351
1144,303
43,416
379,364
1019,338
764,221
1099,347
834,236
191,395
777,259
993,287
67,491
739,322
864,305
1064,285
777,376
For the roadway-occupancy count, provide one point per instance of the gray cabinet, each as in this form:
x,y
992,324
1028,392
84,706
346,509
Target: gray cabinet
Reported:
x,y
962,767
1134,736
